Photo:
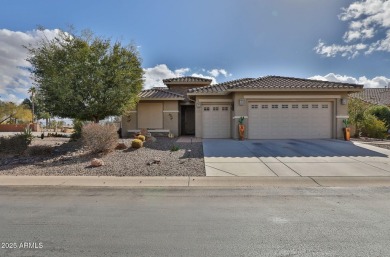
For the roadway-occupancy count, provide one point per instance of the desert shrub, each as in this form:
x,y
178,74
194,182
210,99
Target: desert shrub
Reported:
x,y
16,144
373,127
141,137
27,135
175,148
37,150
382,113
99,138
77,129
136,143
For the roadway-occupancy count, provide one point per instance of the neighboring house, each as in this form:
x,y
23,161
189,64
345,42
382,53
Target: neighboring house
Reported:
x,y
377,96
274,107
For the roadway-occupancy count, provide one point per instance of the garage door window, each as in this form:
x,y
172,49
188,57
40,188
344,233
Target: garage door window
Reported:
x,y
215,108
305,106
225,108
294,106
314,106
264,106
284,106
275,106
324,106
206,109
254,106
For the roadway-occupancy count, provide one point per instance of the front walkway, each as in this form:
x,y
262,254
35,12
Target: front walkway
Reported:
x,y
289,158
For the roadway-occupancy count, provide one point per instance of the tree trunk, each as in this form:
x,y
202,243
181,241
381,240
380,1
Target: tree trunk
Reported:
x,y
95,119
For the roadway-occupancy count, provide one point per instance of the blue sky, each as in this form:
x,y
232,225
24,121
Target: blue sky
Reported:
x,y
221,39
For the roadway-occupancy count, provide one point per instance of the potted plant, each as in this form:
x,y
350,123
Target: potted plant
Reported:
x,y
241,128
346,130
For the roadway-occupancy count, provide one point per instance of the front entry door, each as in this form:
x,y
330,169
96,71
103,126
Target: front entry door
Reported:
x,y
188,120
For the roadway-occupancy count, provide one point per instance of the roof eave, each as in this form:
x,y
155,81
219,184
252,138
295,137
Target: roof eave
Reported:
x,y
162,99
295,89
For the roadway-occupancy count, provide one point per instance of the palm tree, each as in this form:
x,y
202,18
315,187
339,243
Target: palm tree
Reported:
x,y
32,91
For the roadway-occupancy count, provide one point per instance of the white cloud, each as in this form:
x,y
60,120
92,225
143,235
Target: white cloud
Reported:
x,y
366,20
154,76
377,82
213,79
217,72
14,79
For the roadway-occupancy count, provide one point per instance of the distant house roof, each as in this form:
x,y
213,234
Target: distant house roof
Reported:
x,y
187,79
274,82
221,87
159,93
380,96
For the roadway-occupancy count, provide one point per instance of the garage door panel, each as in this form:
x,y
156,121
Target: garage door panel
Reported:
x,y
216,121
284,120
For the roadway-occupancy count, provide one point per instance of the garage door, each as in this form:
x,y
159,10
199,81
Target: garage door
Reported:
x,y
285,120
216,121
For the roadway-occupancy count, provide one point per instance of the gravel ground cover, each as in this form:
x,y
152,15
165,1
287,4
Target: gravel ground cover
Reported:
x,y
374,142
59,157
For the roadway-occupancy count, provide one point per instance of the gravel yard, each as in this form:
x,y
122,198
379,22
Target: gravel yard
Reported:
x,y
63,158
374,142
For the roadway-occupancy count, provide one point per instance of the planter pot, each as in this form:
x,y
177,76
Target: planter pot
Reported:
x,y
347,133
241,131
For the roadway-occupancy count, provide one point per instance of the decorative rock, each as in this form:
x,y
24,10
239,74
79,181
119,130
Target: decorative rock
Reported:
x,y
121,146
97,162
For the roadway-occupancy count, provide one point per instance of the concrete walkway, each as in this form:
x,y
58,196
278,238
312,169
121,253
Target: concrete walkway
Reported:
x,y
294,158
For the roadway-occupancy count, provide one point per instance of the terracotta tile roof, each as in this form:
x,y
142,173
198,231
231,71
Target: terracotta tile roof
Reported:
x,y
221,87
273,82
380,96
295,83
160,93
187,79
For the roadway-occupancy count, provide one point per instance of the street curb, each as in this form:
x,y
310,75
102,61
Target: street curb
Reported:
x,y
195,182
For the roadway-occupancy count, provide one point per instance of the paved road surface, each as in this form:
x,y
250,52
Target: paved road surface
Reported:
x,y
195,222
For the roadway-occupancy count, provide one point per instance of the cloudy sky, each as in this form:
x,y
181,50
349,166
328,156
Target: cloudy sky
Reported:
x,y
337,40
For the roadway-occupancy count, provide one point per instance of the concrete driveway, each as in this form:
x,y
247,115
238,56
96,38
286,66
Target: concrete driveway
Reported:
x,y
227,157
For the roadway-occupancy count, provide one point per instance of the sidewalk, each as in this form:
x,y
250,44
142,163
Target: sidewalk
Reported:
x,y
231,182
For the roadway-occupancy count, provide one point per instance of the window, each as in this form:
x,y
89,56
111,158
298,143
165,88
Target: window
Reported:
x,y
275,106
314,106
206,109
215,108
294,106
255,106
284,106
305,106
264,106
324,106
225,108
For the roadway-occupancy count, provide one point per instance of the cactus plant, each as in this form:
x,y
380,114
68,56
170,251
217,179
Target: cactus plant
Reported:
x,y
136,143
141,137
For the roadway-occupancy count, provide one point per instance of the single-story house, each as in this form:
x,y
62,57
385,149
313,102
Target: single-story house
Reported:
x,y
377,96
274,107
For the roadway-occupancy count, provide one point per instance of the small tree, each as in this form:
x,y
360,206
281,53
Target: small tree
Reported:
x,y
85,77
356,110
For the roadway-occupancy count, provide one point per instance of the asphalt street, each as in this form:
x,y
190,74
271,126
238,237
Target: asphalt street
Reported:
x,y
58,221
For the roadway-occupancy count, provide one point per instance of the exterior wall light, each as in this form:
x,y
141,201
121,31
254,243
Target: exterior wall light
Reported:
x,y
344,101
241,102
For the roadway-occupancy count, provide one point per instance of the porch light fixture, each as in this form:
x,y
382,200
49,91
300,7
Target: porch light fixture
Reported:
x,y
241,101
198,104
343,101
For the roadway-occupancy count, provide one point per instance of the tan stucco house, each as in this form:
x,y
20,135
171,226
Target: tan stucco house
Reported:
x,y
274,107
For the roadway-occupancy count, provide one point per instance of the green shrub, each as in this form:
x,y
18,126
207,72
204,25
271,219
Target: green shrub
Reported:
x,y
373,127
136,143
382,113
16,144
175,148
99,138
77,126
141,137
27,135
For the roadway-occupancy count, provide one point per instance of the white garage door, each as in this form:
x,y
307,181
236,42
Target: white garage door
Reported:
x,y
216,121
289,120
